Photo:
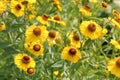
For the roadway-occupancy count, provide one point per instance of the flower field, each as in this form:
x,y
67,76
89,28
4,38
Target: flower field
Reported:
x,y
59,40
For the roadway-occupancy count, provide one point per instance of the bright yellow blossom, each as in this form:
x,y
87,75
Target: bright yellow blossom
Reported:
x,y
17,8
23,61
71,54
2,27
115,43
114,66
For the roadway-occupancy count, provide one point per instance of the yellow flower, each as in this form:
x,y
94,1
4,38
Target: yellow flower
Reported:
x,y
2,6
23,61
114,66
57,4
54,37
56,73
116,22
115,13
116,44
71,54
92,30
34,47
57,19
34,33
93,1
85,11
43,19
74,39
104,4
17,8
30,71
2,27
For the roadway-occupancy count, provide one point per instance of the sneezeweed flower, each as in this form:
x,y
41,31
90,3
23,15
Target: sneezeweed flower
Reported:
x,y
30,71
43,19
104,5
85,11
114,66
92,30
115,43
34,48
115,13
2,6
57,4
2,27
71,54
34,33
74,39
54,37
57,19
23,61
115,21
17,8
93,1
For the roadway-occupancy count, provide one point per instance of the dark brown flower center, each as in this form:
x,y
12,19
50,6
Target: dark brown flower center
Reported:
x,y
37,47
45,17
87,8
52,34
116,13
37,31
72,51
76,37
26,59
18,6
91,27
118,62
104,5
30,70
57,17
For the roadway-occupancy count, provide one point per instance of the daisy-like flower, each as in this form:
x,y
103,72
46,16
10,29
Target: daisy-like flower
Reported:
x,y
115,43
57,4
115,21
92,30
115,13
74,39
104,5
2,27
34,47
57,19
85,11
71,54
30,71
2,6
114,66
54,37
17,8
43,19
34,33
23,61
93,1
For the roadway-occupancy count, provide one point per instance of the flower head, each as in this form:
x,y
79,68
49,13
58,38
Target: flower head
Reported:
x,y
71,54
85,11
2,27
116,44
92,30
74,39
34,47
17,8
23,61
34,33
30,71
114,66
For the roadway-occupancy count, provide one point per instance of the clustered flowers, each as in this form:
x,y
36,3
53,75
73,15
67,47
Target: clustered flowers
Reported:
x,y
45,31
